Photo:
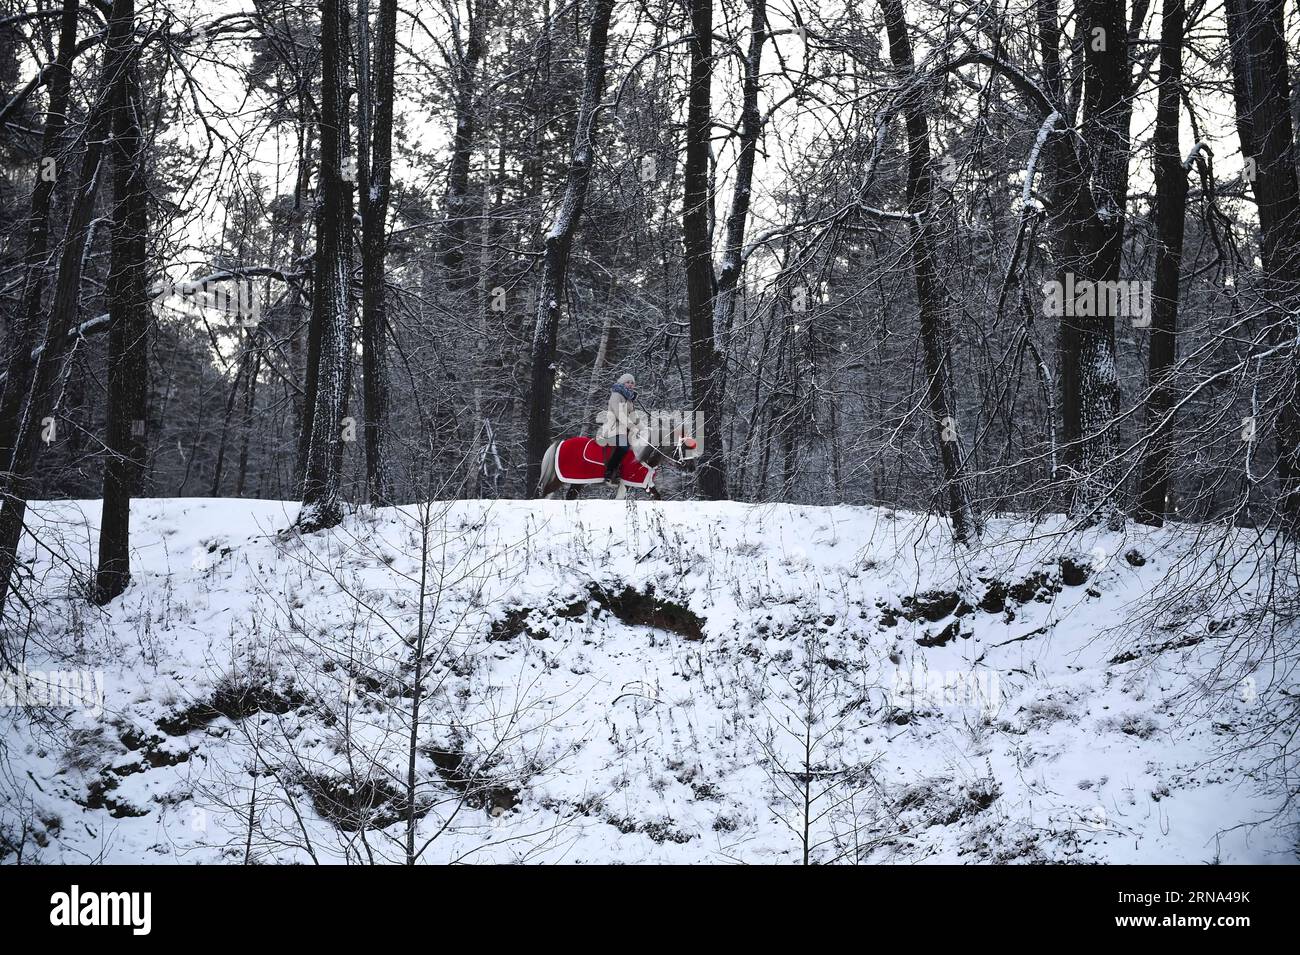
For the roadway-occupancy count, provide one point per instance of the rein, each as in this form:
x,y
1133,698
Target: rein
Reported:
x,y
664,456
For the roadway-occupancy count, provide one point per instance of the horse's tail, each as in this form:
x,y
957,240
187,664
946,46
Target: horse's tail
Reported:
x,y
548,468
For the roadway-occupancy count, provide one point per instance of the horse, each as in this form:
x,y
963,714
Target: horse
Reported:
x,y
636,470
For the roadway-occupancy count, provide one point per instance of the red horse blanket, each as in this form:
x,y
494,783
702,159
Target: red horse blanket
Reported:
x,y
582,461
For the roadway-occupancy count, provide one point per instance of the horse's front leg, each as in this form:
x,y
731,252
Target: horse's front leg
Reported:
x,y
654,494
571,492
621,493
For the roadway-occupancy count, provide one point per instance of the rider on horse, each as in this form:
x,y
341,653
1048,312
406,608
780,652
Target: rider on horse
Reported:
x,y
569,463
619,425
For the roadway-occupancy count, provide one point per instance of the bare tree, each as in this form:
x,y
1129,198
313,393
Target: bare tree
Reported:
x,y
457,197
128,366
1171,209
936,329
1089,209
331,316
41,386
1263,97
559,240
375,170
751,127
23,332
706,357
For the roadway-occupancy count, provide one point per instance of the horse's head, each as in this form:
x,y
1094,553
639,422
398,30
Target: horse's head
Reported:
x,y
678,448
685,448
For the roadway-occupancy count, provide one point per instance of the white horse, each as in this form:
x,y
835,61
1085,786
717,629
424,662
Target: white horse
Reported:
x,y
684,449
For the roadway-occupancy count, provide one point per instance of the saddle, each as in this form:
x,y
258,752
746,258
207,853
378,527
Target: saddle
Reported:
x,y
582,461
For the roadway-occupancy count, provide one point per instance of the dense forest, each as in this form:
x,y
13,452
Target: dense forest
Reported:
x,y
361,255
975,261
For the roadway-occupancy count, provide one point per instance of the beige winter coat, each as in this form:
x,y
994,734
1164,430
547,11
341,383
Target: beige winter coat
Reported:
x,y
621,417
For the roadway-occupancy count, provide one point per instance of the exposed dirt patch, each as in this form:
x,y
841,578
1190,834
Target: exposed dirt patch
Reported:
x,y
936,802
150,751
644,608
481,791
99,795
648,609
154,753
1040,587
995,596
235,701
532,621
888,615
354,805
1075,571
945,636
1179,644
933,606
659,832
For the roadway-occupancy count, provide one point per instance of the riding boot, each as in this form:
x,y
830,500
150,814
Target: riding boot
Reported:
x,y
612,466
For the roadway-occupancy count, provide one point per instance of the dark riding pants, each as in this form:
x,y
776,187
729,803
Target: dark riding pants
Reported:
x,y
615,460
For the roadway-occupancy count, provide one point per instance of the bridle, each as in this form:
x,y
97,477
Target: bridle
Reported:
x,y
678,457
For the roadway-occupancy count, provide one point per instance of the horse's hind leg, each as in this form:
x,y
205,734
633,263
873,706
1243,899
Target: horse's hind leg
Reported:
x,y
546,487
550,478
571,492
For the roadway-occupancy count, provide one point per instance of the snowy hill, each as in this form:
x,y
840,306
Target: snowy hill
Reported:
x,y
632,682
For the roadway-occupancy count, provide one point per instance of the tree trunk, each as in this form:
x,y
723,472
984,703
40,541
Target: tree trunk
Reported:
x,y
1171,207
46,376
128,310
936,330
457,206
306,366
1089,215
377,179
733,261
1262,93
22,334
555,258
706,358
250,403
218,468
331,315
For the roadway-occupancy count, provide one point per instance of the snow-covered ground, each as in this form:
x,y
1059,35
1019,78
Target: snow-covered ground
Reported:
x,y
636,682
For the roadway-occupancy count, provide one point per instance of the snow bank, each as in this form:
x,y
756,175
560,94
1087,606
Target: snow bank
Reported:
x,y
637,682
